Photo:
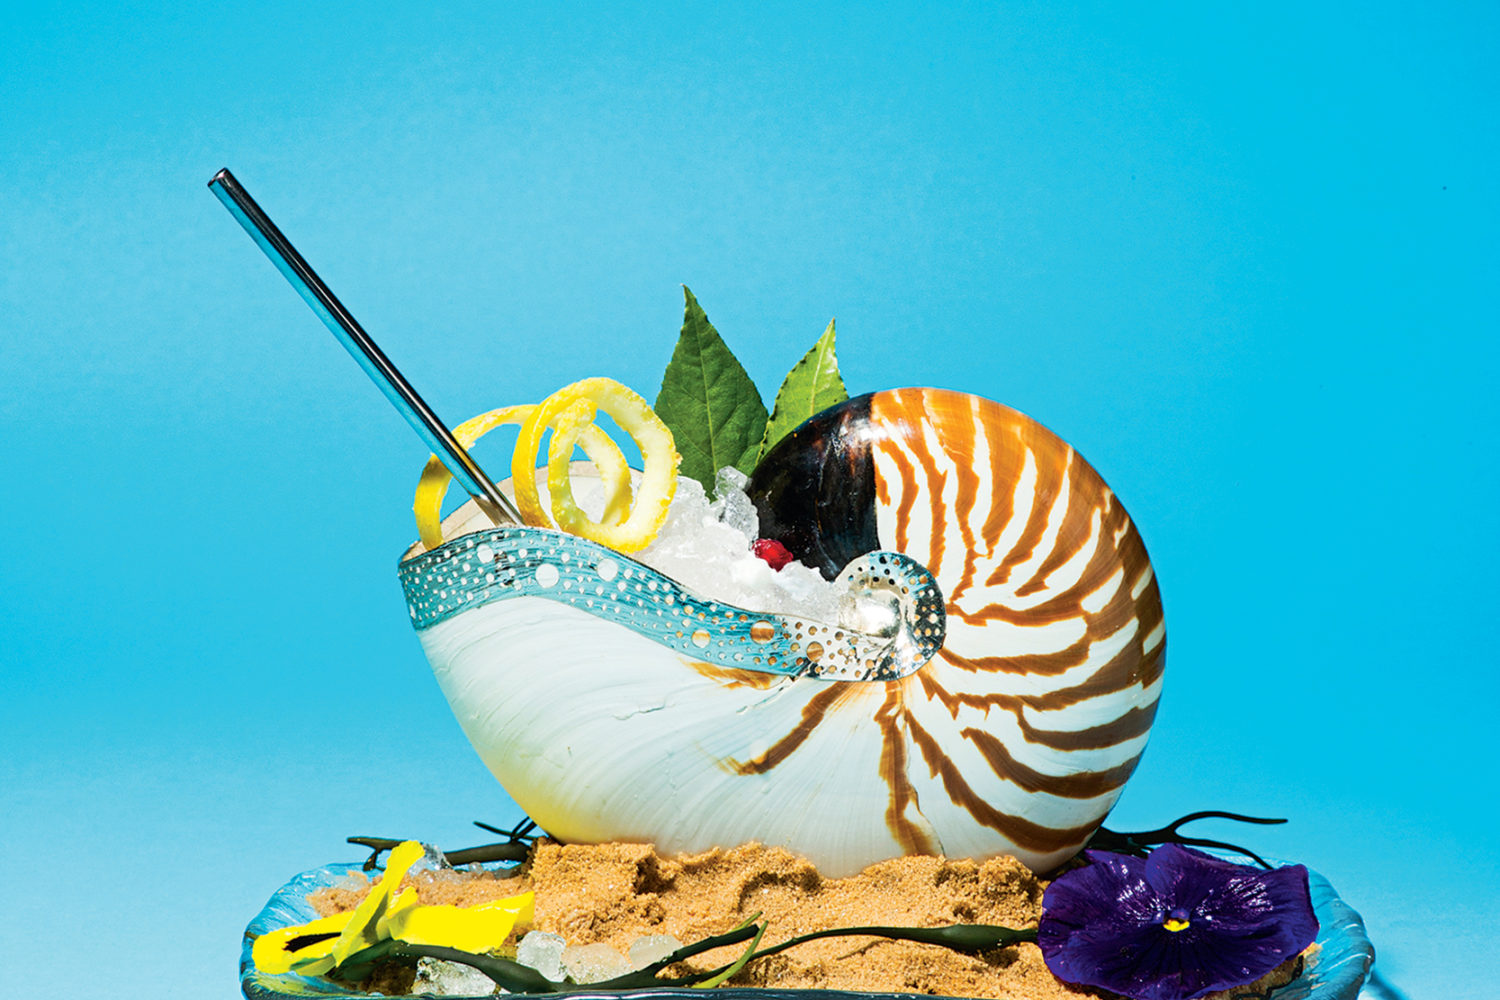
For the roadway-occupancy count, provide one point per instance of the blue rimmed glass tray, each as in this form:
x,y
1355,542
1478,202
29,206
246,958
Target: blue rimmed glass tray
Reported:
x,y
1338,972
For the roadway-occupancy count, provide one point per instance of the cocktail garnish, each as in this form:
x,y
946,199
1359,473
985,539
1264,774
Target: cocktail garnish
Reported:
x,y
568,412
706,398
772,552
812,386
714,410
599,446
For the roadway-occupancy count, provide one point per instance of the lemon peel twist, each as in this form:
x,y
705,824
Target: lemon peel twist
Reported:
x,y
570,413
600,448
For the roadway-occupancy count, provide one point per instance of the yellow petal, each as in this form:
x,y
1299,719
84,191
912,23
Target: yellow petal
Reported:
x,y
362,931
522,905
476,929
313,966
290,949
406,899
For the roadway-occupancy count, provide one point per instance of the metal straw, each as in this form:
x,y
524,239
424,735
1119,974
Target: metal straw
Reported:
x,y
359,345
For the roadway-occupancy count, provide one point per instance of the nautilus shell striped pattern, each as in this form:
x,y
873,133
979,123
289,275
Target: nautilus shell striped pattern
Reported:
x,y
989,691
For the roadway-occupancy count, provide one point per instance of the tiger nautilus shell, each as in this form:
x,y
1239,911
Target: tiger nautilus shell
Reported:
x,y
988,689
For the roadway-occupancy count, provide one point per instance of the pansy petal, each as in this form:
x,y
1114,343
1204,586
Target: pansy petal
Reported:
x,y
288,949
1261,918
1207,961
1148,966
1175,926
1184,875
1251,897
1095,917
523,905
363,930
475,929
1085,896
406,899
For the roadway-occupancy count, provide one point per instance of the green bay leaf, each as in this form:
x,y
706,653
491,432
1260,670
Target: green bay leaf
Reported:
x,y
813,385
714,411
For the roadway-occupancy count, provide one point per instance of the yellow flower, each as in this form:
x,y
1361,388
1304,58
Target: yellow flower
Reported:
x,y
475,929
318,946
305,948
361,931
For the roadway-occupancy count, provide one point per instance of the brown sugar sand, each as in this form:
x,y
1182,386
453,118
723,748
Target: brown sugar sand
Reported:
x,y
615,893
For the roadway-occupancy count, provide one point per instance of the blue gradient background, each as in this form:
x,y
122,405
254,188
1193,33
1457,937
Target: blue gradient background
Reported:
x,y
1246,262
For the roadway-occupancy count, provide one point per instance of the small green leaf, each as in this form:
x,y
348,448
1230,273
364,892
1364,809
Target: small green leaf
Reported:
x,y
813,385
712,408
733,969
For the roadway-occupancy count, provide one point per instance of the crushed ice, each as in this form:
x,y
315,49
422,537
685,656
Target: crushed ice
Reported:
x,y
542,952
554,958
450,979
649,948
705,546
593,963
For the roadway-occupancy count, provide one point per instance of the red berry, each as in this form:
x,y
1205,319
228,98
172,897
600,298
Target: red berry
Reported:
x,y
773,552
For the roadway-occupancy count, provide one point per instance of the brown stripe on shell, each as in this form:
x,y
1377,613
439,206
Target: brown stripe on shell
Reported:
x,y
1040,664
908,495
962,431
1073,533
1021,832
1007,465
1101,568
1134,723
1049,478
1079,785
893,762
733,677
954,419
1129,726
812,714
1127,667
1126,558
906,411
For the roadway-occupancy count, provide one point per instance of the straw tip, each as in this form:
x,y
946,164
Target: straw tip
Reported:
x,y
221,177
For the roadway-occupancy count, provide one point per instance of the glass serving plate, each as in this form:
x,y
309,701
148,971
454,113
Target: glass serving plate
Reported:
x,y
1338,972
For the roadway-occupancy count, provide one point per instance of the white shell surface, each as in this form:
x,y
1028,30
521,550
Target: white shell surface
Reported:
x,y
600,734
1016,738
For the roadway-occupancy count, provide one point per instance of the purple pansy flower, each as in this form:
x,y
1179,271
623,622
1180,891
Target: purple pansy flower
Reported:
x,y
1174,925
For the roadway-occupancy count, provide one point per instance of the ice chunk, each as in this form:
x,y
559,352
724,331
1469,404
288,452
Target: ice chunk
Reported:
x,y
729,480
690,491
706,547
593,963
450,979
736,511
432,859
650,948
542,952
732,506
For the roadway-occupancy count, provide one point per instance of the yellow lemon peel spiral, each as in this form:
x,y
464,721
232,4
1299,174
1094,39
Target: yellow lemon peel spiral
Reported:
x,y
570,414
599,447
